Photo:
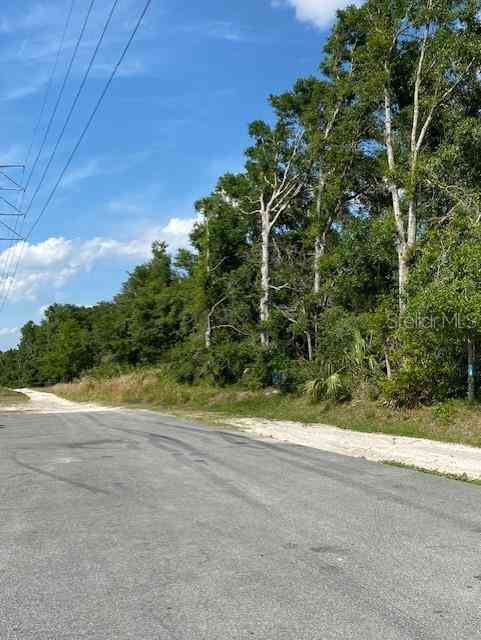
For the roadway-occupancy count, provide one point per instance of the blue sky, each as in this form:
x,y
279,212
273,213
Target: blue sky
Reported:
x,y
175,119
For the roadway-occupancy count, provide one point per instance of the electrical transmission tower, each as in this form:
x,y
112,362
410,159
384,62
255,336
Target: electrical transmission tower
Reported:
x,y
11,184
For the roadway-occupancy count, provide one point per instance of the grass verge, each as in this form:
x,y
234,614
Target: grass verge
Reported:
x,y
8,397
453,421
432,472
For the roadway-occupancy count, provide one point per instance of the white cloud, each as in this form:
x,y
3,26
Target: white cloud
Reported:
x,y
319,12
180,226
52,263
45,254
4,332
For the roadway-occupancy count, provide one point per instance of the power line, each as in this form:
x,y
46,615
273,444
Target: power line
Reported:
x,y
66,78
48,89
47,132
91,118
8,254
84,132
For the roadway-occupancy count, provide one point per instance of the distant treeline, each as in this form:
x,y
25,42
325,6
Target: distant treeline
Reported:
x,y
345,259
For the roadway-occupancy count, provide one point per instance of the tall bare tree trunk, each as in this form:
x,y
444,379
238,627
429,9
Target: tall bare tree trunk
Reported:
x,y
402,242
471,371
403,263
406,230
310,353
388,363
208,333
265,281
208,327
318,242
318,253
285,188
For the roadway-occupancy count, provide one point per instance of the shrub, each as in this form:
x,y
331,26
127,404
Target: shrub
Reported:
x,y
226,362
271,367
445,412
185,362
356,370
329,385
108,370
422,382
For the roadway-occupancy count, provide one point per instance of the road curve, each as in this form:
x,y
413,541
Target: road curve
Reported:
x,y
131,525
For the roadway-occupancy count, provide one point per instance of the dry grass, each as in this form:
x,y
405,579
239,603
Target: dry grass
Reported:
x,y
8,397
145,388
450,422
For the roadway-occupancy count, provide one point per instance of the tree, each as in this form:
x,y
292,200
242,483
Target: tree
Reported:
x,y
275,180
415,59
222,243
151,308
355,219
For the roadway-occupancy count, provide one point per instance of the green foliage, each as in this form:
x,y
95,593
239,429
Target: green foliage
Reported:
x,y
445,412
330,385
314,202
341,377
108,371
425,382
227,362
185,361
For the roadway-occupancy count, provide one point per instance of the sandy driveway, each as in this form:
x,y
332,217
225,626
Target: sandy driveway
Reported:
x,y
41,402
426,454
435,456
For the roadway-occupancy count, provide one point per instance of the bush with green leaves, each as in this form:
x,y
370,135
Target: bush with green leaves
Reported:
x,y
226,362
442,316
339,378
185,361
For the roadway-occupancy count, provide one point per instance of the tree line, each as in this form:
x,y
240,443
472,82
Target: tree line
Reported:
x,y
344,259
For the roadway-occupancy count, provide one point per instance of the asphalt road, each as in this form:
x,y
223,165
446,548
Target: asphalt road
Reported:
x,y
132,525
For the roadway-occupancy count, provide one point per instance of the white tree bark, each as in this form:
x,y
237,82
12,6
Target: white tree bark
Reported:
x,y
208,333
318,253
471,372
406,223
310,353
403,273
406,230
209,328
282,190
319,245
388,363
265,279
319,241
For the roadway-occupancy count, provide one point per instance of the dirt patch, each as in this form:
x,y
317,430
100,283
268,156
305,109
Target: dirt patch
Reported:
x,y
41,402
453,459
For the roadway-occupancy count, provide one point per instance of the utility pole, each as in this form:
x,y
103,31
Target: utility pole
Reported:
x,y
11,184
11,210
